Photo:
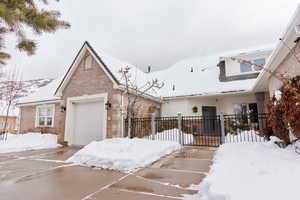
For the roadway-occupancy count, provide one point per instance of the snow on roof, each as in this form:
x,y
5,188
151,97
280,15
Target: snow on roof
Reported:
x,y
178,79
114,65
204,78
43,94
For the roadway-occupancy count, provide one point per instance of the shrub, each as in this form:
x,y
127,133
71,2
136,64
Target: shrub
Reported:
x,y
285,111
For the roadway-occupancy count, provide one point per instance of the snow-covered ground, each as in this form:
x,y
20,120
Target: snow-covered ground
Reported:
x,y
122,153
29,141
173,135
248,171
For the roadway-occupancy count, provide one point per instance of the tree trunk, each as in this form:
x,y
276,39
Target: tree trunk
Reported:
x,y
6,120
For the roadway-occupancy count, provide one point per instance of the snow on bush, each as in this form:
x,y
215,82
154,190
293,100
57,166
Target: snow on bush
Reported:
x,y
244,136
257,171
29,141
173,135
123,154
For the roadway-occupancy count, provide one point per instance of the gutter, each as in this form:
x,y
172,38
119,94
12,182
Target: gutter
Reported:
x,y
147,96
225,93
32,103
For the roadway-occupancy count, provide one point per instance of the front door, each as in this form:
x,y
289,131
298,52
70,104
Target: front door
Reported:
x,y
88,122
209,114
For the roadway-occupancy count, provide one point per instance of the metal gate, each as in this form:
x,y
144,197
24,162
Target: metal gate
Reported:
x,y
201,131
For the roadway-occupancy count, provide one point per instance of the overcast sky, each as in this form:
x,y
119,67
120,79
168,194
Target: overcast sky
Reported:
x,y
156,32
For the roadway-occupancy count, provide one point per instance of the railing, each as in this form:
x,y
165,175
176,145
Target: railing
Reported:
x,y
201,130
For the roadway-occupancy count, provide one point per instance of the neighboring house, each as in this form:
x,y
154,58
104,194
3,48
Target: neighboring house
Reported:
x,y
283,59
77,106
11,118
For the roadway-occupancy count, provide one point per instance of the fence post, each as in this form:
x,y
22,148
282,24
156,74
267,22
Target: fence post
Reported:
x,y
153,126
222,128
179,118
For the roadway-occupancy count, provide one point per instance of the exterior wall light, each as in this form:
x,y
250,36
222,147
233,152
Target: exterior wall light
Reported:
x,y
63,107
107,105
195,109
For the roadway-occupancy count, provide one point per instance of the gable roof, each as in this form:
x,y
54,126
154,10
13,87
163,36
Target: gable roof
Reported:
x,y
108,63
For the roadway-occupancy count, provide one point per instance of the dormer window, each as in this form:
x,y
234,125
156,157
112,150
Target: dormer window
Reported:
x,y
88,62
246,67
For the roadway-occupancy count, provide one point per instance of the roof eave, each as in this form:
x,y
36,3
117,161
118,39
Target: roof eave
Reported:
x,y
280,52
208,95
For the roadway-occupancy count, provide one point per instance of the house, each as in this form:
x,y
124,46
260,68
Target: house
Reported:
x,y
88,102
214,85
88,99
283,59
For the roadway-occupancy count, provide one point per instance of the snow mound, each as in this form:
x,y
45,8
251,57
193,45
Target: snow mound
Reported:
x,y
252,171
244,137
173,135
29,141
123,154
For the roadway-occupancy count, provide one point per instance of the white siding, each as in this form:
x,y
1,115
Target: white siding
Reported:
x,y
224,104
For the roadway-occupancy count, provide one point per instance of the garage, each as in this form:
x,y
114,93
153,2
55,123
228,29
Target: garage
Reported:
x,y
88,122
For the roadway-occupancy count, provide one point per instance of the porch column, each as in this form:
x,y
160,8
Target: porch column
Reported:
x,y
260,101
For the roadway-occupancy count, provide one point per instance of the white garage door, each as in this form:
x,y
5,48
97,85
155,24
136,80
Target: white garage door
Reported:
x,y
88,122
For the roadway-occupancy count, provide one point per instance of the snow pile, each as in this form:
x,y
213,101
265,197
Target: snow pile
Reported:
x,y
29,141
252,171
173,135
122,153
244,136
278,95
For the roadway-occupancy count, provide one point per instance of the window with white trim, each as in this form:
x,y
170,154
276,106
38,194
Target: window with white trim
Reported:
x,y
45,115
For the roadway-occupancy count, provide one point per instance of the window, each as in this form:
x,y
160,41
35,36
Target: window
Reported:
x,y
88,62
243,111
260,62
247,67
2,124
45,116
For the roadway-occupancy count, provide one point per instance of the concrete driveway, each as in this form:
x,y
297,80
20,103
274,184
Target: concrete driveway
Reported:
x,y
43,174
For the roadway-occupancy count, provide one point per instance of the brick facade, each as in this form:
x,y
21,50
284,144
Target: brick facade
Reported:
x,y
86,81
28,122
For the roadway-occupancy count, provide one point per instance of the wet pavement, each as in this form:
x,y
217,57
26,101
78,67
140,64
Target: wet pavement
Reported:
x,y
44,174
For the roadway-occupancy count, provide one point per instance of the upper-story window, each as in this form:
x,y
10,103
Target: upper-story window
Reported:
x,y
246,67
88,62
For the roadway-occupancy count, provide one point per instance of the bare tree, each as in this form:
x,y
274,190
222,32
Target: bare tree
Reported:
x,y
11,88
134,92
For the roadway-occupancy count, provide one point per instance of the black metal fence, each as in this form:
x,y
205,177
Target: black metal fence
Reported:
x,y
201,130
